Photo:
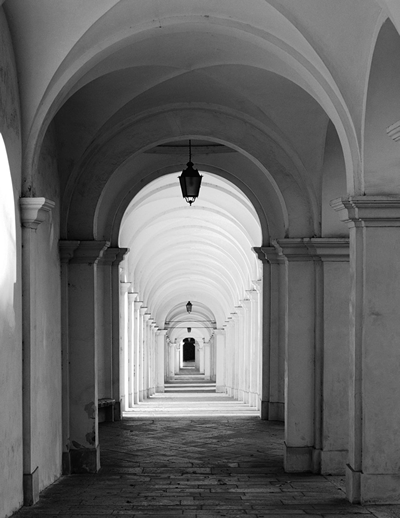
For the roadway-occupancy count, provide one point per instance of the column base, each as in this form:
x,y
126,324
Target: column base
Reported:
x,y
220,388
85,460
264,407
117,411
298,460
364,488
160,389
276,412
66,463
253,398
333,462
31,487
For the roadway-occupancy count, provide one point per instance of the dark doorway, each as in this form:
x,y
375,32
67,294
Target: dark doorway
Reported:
x,y
189,350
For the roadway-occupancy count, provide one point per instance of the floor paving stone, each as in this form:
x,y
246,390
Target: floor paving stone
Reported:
x,y
196,467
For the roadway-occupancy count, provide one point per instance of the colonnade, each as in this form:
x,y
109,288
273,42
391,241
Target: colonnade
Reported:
x,y
303,372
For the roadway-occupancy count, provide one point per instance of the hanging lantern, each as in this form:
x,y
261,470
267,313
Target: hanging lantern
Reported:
x,y
189,306
190,180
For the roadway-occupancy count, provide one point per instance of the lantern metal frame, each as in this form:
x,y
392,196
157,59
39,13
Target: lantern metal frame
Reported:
x,y
190,180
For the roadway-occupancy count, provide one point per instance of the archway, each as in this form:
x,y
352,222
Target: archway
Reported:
x,y
188,352
203,254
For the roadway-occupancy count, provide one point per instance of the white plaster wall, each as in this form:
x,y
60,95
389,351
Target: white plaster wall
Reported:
x,y
47,362
333,185
10,283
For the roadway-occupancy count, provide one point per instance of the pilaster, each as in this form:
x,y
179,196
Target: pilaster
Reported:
x,y
299,355
331,353
373,470
67,249
120,254
33,213
160,360
84,318
264,373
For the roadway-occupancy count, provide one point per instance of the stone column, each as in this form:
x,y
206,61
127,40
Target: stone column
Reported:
x,y
171,363
67,249
300,356
142,329
219,344
145,350
33,213
160,360
265,339
83,336
136,349
125,288
240,367
254,347
105,337
258,368
236,359
229,354
248,350
207,360
276,407
154,328
331,353
115,353
374,441
131,348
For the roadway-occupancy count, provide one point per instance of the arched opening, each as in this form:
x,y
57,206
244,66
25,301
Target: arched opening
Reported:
x,y
201,254
188,352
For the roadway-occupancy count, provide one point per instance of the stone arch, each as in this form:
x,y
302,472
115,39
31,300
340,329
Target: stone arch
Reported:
x,y
276,176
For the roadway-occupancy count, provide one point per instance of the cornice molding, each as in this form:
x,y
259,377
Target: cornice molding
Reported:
x,y
372,211
34,210
329,249
293,249
89,252
67,249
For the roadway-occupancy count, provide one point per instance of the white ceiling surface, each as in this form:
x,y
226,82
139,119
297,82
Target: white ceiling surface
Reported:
x,y
202,253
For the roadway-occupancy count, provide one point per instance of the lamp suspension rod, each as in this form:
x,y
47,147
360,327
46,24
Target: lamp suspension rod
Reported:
x,y
190,150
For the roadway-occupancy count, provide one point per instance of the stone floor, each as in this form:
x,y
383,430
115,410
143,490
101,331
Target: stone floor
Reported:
x,y
196,467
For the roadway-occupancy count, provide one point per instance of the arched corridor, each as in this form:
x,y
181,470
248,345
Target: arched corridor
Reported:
x,y
282,276
191,275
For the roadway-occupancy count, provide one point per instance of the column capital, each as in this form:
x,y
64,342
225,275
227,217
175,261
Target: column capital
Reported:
x,y
369,211
219,332
293,249
146,316
89,252
272,255
120,253
329,249
34,210
138,303
112,256
125,286
143,310
257,285
252,294
245,303
132,296
162,332
67,249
